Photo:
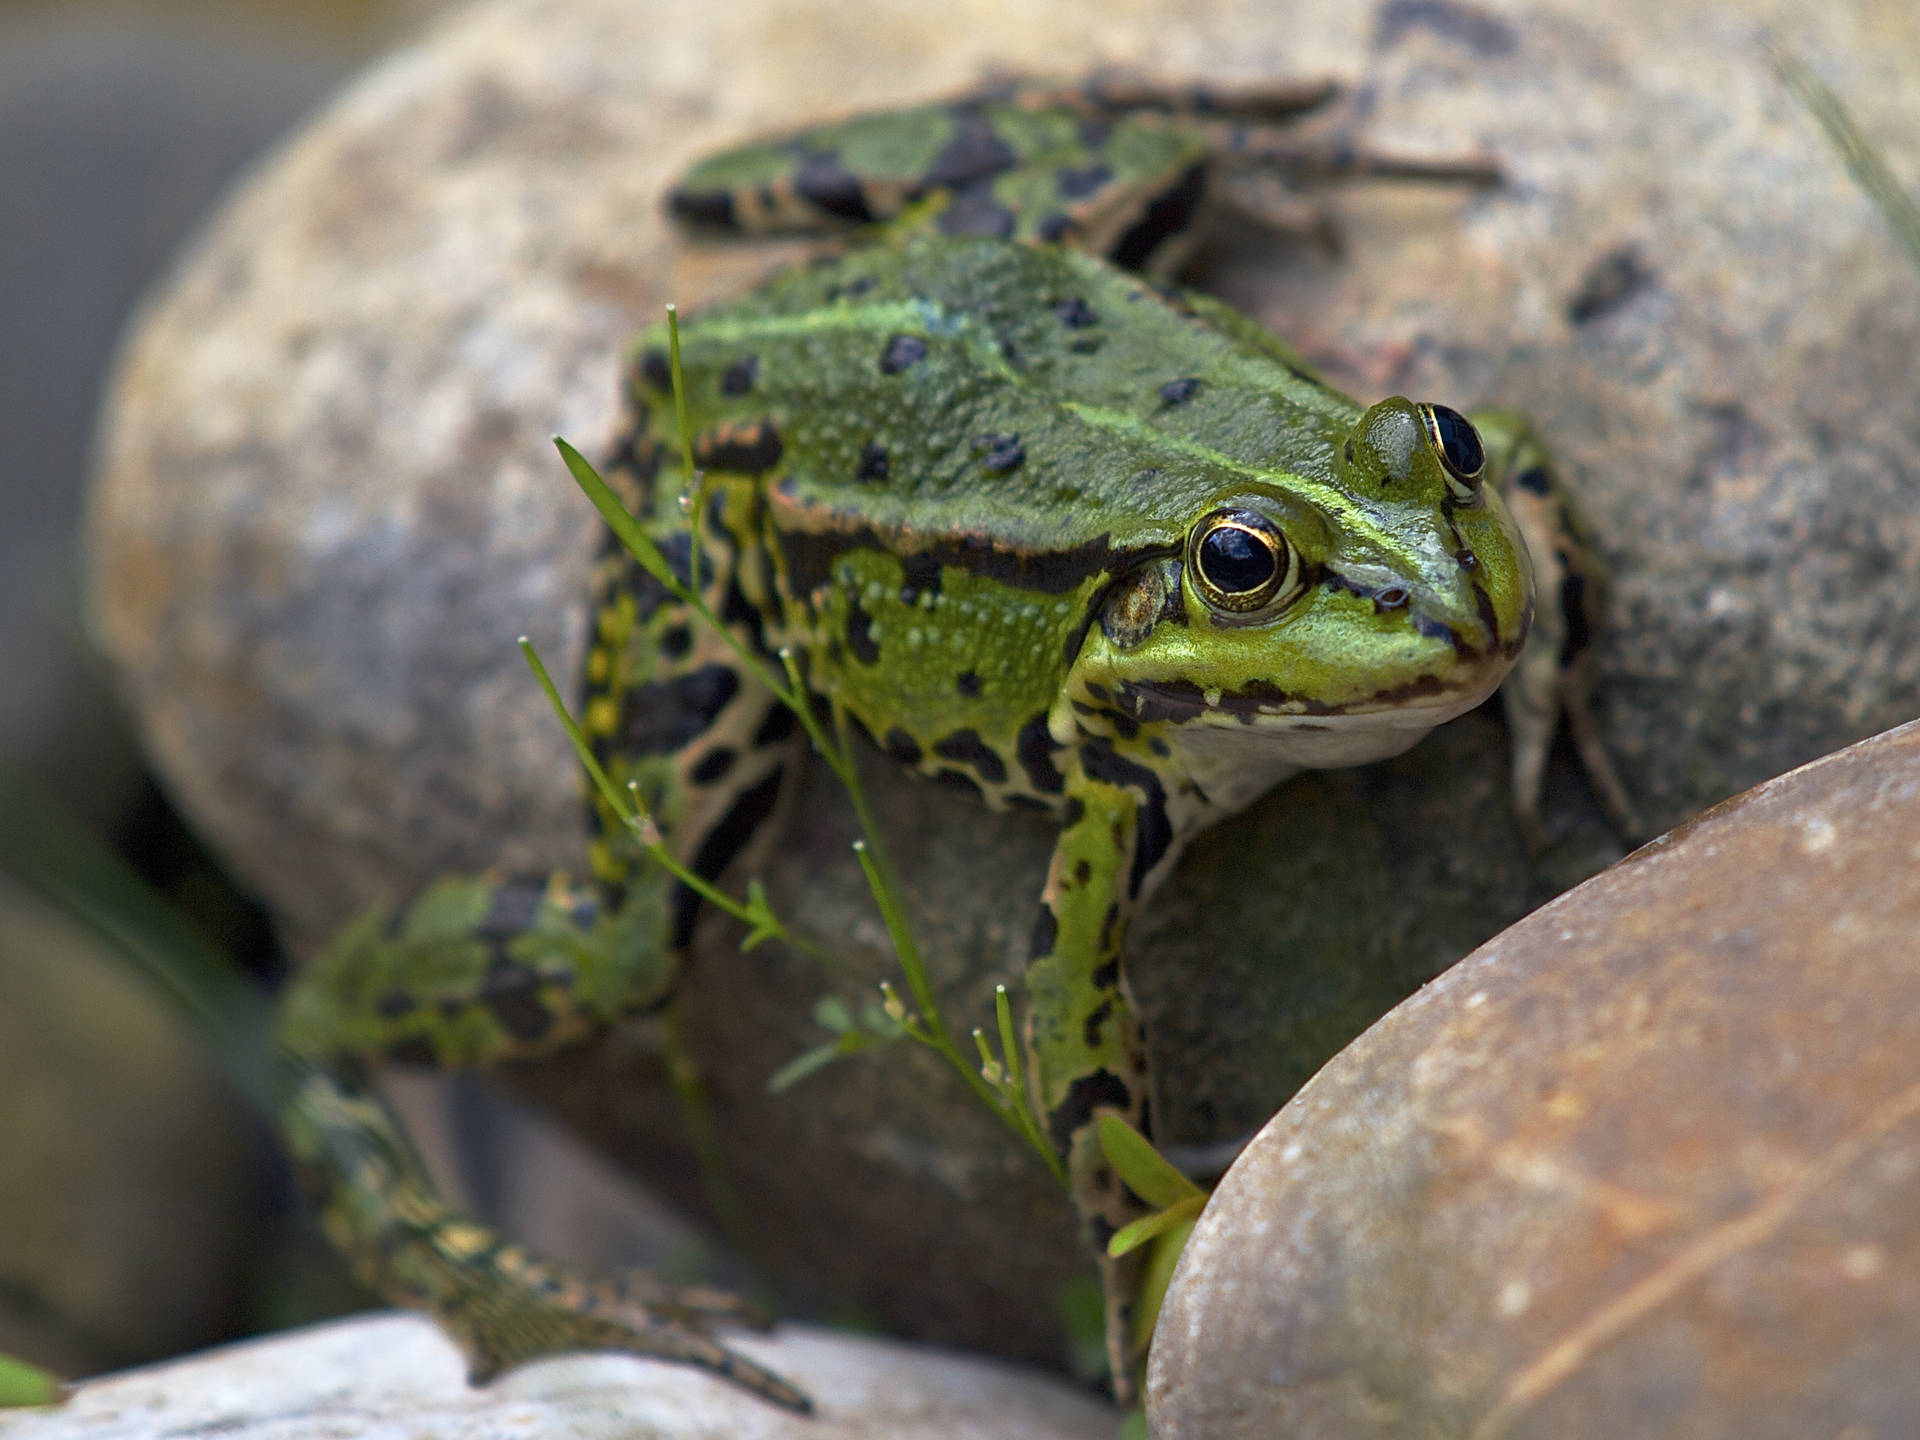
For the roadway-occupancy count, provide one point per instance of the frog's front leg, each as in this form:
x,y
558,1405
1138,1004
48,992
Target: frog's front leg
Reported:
x,y
1554,674
1086,1052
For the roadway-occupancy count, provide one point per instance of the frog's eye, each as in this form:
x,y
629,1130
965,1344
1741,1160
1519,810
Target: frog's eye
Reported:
x,y
1461,453
1241,563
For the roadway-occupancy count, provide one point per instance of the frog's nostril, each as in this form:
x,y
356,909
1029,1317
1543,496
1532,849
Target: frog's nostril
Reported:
x,y
1393,599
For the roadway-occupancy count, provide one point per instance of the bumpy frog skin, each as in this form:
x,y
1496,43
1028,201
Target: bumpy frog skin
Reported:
x,y
1082,542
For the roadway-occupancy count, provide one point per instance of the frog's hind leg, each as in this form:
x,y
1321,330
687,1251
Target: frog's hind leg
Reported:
x,y
502,1306
480,969
1554,674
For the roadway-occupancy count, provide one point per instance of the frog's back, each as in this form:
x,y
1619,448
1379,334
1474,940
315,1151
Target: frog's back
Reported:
x,y
959,443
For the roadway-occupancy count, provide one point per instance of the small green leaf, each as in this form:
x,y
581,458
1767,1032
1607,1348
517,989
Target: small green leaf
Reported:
x,y
1145,1170
1133,1236
639,544
830,1013
25,1384
1133,1426
1157,1275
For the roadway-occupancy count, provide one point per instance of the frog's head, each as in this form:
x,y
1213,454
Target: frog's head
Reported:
x,y
1324,618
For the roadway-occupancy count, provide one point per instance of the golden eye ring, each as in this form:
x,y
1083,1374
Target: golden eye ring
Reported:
x,y
1462,454
1242,565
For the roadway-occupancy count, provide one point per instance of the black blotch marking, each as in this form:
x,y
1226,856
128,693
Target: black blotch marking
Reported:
x,y
1034,748
860,633
1478,31
676,642
1100,1230
974,211
664,715
959,779
1159,747
722,843
1106,976
778,725
1021,800
1052,226
1075,313
512,909
1095,130
738,378
1535,479
1155,831
1102,1090
511,993
1171,212
708,209
1083,872
851,290
1346,451
747,449
826,184
1107,922
973,154
1009,352
902,746
1075,812
919,575
902,352
968,748
873,462
1095,1022
1179,392
394,1004
714,765
656,370
970,685
1099,692
1046,931
1003,453
1077,182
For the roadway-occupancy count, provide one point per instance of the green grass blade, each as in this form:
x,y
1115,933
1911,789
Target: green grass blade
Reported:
x,y
1146,1171
1857,152
25,1384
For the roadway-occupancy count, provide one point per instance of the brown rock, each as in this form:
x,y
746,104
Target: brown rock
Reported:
x,y
1647,1163
327,506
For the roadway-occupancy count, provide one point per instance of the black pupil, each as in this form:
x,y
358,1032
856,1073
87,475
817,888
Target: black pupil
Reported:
x,y
1235,561
1459,441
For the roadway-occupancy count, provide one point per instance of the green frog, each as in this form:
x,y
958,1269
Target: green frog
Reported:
x,y
1038,522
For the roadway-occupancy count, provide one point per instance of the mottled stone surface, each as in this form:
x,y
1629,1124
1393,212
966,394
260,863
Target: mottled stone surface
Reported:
x,y
1647,1163
326,507
394,1377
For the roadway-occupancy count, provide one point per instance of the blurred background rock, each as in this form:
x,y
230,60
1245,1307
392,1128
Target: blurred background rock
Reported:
x,y
128,1177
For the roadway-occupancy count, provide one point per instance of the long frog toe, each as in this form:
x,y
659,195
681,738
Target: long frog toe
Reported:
x,y
532,1310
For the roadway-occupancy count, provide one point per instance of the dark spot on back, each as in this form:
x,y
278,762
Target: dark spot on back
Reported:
x,y
1001,452
1095,1022
738,378
975,211
902,353
676,642
873,462
1178,392
748,449
970,685
511,993
973,153
919,575
1075,313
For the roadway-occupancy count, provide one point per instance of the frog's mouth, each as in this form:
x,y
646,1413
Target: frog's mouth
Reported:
x,y
1417,704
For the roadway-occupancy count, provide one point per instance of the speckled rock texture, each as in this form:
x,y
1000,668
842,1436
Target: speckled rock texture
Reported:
x,y
1647,1163
395,1377
326,505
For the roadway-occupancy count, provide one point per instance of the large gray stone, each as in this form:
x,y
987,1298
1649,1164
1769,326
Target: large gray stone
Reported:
x,y
327,505
1646,1163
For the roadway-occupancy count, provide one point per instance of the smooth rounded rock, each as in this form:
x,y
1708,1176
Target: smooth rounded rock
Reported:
x,y
327,505
1647,1163
394,1377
